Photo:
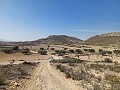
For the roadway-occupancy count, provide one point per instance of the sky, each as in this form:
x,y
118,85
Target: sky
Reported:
x,y
22,20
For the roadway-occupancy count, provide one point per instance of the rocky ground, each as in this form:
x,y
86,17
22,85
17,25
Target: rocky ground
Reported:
x,y
90,75
61,74
11,76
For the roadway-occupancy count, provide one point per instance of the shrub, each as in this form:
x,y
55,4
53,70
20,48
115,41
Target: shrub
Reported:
x,y
67,60
16,48
57,51
42,49
8,51
114,81
103,53
97,87
2,80
42,52
91,50
71,51
85,49
62,51
100,50
108,60
29,63
52,48
72,64
78,51
68,75
109,52
117,52
78,75
25,51
65,48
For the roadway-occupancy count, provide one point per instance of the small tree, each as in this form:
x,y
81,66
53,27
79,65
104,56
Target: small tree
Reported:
x,y
48,47
78,51
57,51
2,80
42,49
25,51
62,52
42,52
52,48
85,50
101,52
71,51
8,51
109,52
65,48
91,50
15,48
116,52
108,60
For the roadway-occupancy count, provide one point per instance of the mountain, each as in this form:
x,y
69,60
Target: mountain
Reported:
x,y
59,39
104,39
52,39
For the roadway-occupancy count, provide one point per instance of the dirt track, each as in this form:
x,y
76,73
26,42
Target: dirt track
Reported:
x,y
46,77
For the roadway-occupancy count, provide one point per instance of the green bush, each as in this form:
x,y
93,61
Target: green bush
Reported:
x,y
109,52
16,48
42,49
25,51
2,80
57,51
65,48
116,51
71,51
91,50
52,48
86,50
108,60
67,60
42,52
62,51
8,51
79,51
103,53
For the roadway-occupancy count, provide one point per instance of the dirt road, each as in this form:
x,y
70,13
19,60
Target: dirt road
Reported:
x,y
46,77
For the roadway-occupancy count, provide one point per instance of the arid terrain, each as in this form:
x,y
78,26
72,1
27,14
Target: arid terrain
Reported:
x,y
59,67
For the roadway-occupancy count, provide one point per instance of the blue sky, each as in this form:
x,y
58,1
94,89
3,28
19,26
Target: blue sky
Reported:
x,y
22,20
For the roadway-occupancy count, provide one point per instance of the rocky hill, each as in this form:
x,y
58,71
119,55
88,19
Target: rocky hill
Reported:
x,y
58,39
52,39
104,39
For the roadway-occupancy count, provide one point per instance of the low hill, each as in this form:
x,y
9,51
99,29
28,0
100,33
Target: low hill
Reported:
x,y
59,39
104,39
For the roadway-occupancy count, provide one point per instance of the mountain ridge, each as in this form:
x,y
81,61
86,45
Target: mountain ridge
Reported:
x,y
104,39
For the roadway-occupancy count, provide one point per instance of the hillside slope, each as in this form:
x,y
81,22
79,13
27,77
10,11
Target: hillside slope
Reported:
x,y
59,39
104,39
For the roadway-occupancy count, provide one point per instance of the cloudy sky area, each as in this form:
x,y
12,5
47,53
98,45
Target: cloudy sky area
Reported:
x,y
22,20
